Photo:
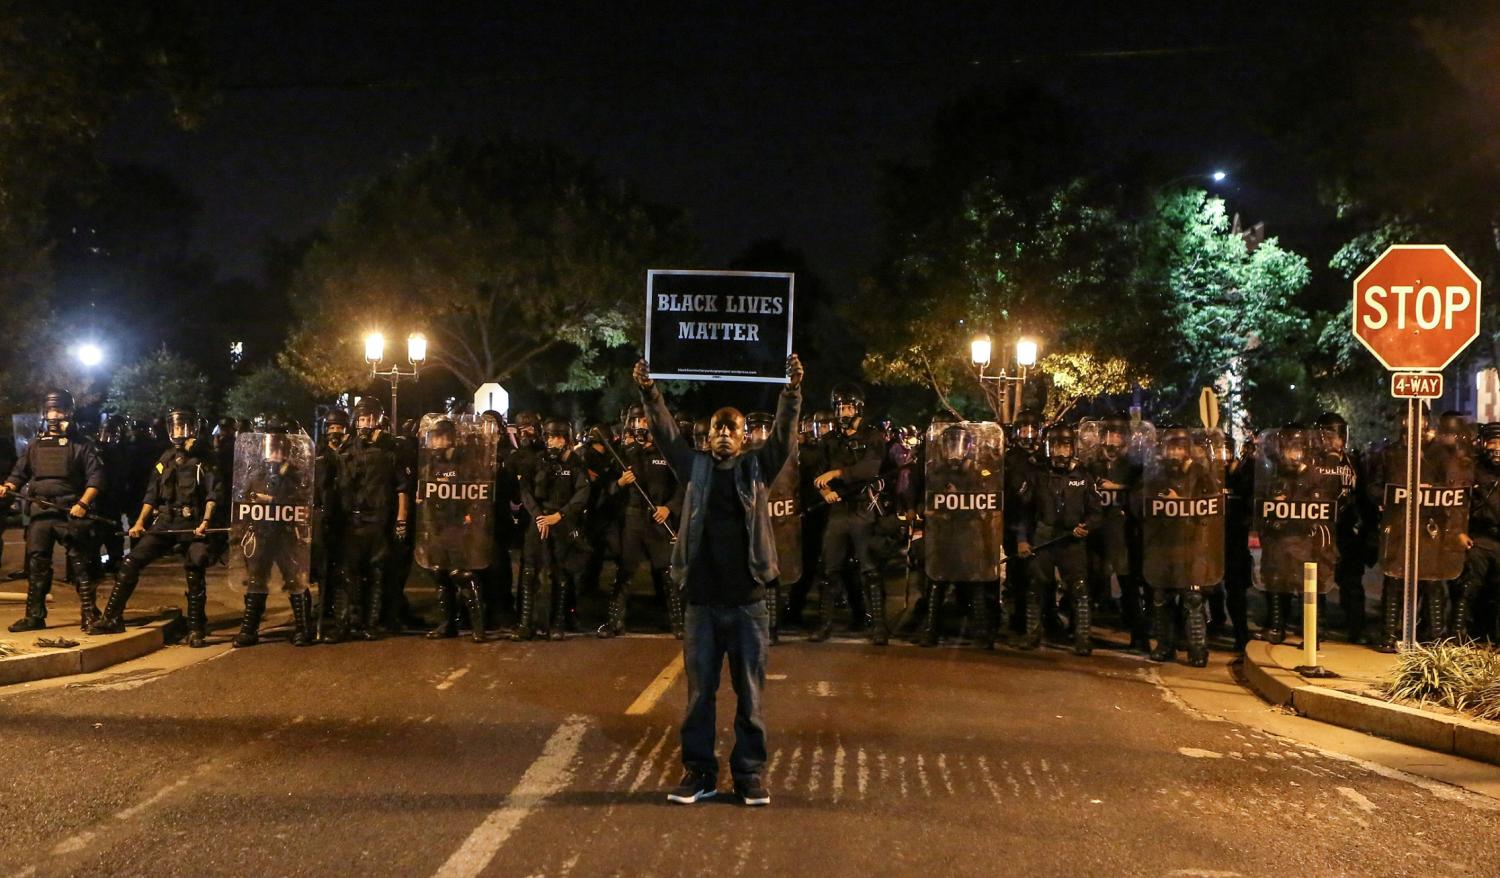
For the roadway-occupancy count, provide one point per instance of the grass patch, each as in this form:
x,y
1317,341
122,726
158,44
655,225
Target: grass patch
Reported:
x,y
1460,676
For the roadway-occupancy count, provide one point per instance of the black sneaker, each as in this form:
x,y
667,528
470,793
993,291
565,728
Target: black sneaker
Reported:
x,y
694,786
752,791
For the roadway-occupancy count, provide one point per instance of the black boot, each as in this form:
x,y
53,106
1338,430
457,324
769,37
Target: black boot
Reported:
x,y
113,620
1197,630
197,609
825,611
1463,629
304,626
88,601
675,609
1390,610
1277,607
473,594
773,610
880,632
1083,624
979,611
369,627
1133,613
36,604
1032,638
524,629
1437,609
447,625
255,608
1165,625
559,601
614,620
345,606
933,618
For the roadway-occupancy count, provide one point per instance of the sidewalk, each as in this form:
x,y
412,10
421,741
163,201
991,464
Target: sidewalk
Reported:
x,y
1352,699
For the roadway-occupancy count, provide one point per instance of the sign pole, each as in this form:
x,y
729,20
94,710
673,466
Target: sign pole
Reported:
x,y
1413,512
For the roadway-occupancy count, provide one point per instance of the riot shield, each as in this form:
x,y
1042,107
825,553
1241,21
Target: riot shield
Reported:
x,y
1298,482
963,504
1110,452
270,511
24,428
1182,494
456,492
786,518
1446,480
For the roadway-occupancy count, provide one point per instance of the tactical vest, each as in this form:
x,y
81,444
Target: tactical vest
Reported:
x,y
552,481
54,475
180,486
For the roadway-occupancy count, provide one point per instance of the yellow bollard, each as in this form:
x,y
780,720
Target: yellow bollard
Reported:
x,y
1310,614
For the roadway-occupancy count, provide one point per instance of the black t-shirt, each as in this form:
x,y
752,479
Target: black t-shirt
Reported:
x,y
720,575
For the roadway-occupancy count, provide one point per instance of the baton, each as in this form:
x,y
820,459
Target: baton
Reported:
x,y
599,435
68,509
1054,541
189,530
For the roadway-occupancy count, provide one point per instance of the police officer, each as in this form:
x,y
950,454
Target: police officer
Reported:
x,y
1114,547
178,509
1060,508
852,453
521,466
964,539
498,581
1482,559
1025,440
442,527
646,535
115,453
66,475
327,522
1239,565
375,494
810,465
555,492
1181,476
1353,522
276,480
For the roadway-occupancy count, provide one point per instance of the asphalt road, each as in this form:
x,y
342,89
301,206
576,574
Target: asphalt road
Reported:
x,y
409,757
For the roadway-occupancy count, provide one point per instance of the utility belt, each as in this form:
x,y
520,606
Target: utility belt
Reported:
x,y
369,516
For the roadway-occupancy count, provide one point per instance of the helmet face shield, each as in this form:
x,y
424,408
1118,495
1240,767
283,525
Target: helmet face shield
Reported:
x,y
956,444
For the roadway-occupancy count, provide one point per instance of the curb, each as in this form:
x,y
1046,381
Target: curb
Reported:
x,y
1397,722
89,656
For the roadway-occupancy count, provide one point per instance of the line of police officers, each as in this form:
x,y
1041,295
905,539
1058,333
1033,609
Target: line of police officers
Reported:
x,y
1062,514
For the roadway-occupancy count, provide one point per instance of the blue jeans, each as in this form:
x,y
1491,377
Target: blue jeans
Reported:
x,y
744,635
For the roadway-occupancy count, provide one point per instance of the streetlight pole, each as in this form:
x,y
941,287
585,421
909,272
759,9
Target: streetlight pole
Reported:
x,y
979,355
416,355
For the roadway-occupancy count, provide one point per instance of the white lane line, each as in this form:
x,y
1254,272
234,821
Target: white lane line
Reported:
x,y
864,772
452,678
648,764
815,772
1359,800
838,768
629,760
796,766
656,689
547,775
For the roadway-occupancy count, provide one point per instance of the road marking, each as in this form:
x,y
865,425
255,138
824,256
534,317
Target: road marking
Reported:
x,y
657,688
1195,753
649,763
546,776
629,759
452,678
989,779
942,763
814,773
796,766
864,772
838,769
922,774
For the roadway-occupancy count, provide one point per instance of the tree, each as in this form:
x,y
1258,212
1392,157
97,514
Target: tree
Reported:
x,y
1233,317
269,389
156,384
514,258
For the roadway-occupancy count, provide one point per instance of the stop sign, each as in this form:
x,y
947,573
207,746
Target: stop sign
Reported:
x,y
1416,307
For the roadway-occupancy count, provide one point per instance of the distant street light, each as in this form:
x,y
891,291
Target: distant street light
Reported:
x,y
416,355
1219,176
88,353
979,351
1026,353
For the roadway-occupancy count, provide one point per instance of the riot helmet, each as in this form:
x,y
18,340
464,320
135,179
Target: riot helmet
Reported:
x,y
1489,438
112,430
1115,435
442,435
224,433
634,424
182,427
558,435
1060,445
369,416
336,427
1334,423
822,423
57,412
1176,446
529,429
956,444
1026,431
1292,448
848,401
758,428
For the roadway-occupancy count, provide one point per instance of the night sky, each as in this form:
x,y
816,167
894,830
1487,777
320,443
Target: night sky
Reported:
x,y
766,123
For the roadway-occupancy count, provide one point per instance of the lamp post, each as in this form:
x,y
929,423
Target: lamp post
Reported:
x,y
980,350
416,355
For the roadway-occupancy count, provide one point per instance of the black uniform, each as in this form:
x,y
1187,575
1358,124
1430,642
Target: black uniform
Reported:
x,y
184,481
369,481
327,527
642,539
1239,479
1054,501
850,529
59,468
1481,576
1114,549
552,482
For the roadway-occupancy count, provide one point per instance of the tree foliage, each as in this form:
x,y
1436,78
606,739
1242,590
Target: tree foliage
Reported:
x,y
154,385
514,258
269,389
